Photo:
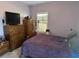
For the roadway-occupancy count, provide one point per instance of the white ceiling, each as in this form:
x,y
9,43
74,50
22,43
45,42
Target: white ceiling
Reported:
x,y
33,2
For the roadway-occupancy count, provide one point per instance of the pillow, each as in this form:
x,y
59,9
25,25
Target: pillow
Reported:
x,y
71,35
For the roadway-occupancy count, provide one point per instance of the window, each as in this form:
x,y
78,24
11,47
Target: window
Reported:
x,y
1,29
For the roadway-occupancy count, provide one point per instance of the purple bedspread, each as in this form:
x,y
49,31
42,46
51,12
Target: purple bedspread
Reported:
x,y
46,46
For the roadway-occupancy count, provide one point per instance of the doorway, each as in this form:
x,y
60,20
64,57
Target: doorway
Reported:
x,y
42,21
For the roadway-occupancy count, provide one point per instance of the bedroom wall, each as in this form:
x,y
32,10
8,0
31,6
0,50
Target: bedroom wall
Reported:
x,y
62,16
13,7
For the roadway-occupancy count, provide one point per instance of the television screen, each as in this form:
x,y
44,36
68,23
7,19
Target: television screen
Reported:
x,y
12,18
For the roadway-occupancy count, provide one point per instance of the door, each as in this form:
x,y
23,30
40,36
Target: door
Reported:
x,y
42,21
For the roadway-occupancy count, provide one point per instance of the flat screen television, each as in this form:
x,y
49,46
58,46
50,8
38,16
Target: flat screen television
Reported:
x,y
12,18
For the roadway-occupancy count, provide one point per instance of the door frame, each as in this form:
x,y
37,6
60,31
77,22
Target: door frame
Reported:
x,y
37,18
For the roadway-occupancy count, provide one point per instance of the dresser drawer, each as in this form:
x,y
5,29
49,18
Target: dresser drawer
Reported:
x,y
4,47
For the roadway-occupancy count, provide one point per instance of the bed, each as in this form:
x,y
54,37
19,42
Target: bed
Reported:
x,y
45,46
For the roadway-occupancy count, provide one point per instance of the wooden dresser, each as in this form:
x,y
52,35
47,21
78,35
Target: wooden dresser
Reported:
x,y
15,35
4,47
29,27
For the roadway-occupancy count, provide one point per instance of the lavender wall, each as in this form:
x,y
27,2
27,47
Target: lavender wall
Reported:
x,y
62,16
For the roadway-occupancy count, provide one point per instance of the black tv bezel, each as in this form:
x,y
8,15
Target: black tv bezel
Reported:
x,y
12,23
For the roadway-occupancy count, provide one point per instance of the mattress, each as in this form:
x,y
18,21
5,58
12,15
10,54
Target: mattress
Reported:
x,y
46,46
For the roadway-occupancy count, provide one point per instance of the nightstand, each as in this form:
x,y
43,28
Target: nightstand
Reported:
x,y
4,47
